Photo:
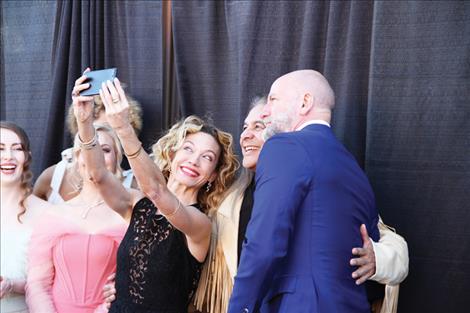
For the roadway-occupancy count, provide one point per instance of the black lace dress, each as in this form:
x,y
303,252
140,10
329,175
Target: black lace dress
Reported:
x,y
155,271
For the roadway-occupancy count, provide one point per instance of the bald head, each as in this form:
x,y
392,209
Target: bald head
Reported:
x,y
310,82
296,98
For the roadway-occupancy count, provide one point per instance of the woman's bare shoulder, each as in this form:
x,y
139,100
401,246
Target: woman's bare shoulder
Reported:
x,y
136,195
37,207
33,202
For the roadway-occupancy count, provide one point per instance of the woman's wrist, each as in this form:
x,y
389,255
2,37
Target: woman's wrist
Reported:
x,y
132,147
13,286
18,285
87,144
125,131
84,120
86,130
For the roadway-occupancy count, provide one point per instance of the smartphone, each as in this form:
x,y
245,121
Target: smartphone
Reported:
x,y
96,78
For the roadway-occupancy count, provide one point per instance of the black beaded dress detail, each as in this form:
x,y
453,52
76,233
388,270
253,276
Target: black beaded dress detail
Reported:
x,y
156,272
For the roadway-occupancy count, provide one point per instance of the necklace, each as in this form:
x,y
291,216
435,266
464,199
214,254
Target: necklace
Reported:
x,y
88,209
75,181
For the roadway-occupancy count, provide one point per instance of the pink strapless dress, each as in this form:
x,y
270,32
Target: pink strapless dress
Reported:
x,y
68,267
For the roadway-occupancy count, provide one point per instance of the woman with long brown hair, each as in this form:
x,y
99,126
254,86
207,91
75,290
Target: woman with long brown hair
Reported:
x,y
19,211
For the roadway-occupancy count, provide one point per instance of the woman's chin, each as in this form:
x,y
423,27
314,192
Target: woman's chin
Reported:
x,y
10,179
188,182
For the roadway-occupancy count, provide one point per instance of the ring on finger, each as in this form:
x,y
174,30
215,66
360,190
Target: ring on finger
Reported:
x,y
116,100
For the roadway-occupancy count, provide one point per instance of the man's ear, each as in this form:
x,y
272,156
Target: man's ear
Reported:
x,y
307,104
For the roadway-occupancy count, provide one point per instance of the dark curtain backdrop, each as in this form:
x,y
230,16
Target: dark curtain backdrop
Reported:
x,y
228,52
102,34
418,144
400,70
27,29
47,45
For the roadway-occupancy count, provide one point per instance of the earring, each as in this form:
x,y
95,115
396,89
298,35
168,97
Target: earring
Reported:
x,y
208,187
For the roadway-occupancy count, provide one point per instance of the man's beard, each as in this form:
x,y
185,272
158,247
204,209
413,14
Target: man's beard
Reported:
x,y
279,125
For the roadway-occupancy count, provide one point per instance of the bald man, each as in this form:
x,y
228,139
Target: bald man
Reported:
x,y
311,198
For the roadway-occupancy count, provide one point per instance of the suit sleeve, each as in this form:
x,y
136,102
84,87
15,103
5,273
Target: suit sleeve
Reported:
x,y
281,185
391,255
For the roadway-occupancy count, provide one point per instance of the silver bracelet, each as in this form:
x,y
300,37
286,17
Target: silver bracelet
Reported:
x,y
90,144
176,210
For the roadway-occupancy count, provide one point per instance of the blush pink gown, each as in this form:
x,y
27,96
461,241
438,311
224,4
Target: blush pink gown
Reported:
x,y
68,266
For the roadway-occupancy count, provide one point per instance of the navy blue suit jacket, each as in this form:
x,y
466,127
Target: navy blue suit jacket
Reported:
x,y
311,198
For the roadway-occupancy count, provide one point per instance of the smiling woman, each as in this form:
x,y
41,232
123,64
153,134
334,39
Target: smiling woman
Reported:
x,y
161,254
74,244
19,212
200,155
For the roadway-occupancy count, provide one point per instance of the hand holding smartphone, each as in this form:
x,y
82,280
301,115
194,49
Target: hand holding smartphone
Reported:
x,y
96,78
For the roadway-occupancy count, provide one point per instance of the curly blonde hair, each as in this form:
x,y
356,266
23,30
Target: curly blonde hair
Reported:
x,y
27,175
135,114
227,165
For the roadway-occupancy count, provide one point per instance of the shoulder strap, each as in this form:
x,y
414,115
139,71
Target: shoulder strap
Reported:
x,y
58,175
56,181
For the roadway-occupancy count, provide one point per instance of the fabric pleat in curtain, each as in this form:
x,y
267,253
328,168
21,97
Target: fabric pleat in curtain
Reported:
x,y
228,52
46,47
418,144
103,34
26,35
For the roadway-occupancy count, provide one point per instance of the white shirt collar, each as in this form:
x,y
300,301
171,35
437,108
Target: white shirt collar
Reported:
x,y
322,122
